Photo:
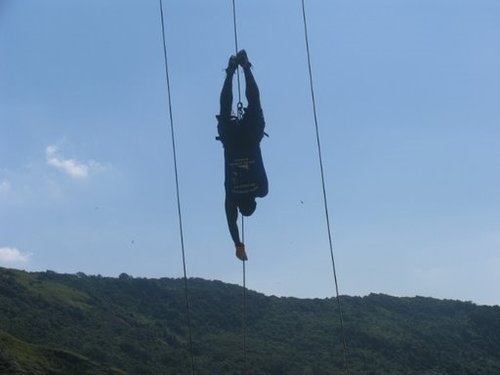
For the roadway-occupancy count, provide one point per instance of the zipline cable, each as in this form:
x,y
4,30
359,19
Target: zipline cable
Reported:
x,y
240,113
179,211
240,104
325,201
244,304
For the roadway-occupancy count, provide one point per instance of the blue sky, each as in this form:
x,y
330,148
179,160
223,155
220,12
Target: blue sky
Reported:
x,y
407,97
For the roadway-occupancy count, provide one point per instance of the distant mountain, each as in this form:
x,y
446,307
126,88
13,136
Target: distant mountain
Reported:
x,y
76,324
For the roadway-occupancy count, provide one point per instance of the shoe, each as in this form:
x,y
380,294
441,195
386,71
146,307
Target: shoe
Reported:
x,y
232,65
242,59
241,253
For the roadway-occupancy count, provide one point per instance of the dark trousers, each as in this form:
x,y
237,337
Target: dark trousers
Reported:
x,y
251,92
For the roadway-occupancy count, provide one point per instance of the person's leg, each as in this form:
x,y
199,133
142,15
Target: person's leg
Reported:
x,y
252,90
226,95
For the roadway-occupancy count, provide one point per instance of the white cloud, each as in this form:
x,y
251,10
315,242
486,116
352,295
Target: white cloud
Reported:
x,y
72,167
13,255
4,186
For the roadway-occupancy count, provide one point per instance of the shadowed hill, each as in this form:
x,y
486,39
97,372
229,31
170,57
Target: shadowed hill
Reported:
x,y
138,325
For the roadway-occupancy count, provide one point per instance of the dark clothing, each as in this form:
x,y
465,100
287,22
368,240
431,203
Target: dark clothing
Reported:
x,y
244,174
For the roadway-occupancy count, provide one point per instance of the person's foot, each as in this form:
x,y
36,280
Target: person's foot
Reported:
x,y
232,65
240,252
243,59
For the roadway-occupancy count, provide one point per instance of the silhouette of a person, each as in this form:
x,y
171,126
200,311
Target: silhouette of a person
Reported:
x,y
245,176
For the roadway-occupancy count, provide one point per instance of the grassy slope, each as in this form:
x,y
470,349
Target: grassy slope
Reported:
x,y
19,357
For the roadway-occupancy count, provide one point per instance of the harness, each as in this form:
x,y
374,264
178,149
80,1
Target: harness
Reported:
x,y
235,119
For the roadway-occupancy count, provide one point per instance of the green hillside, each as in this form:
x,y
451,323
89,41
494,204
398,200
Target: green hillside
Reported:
x,y
18,357
76,324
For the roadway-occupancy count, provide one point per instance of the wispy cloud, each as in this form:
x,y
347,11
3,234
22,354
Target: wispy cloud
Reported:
x,y
13,255
5,186
72,167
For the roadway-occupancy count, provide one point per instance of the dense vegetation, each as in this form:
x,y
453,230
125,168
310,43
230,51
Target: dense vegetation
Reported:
x,y
77,324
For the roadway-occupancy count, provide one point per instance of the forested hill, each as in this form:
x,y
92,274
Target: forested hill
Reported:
x,y
76,324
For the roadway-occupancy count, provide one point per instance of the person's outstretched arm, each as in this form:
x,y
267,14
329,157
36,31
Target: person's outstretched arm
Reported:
x,y
232,220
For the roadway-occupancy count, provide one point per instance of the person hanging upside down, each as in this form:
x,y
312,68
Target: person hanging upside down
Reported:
x,y
245,176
